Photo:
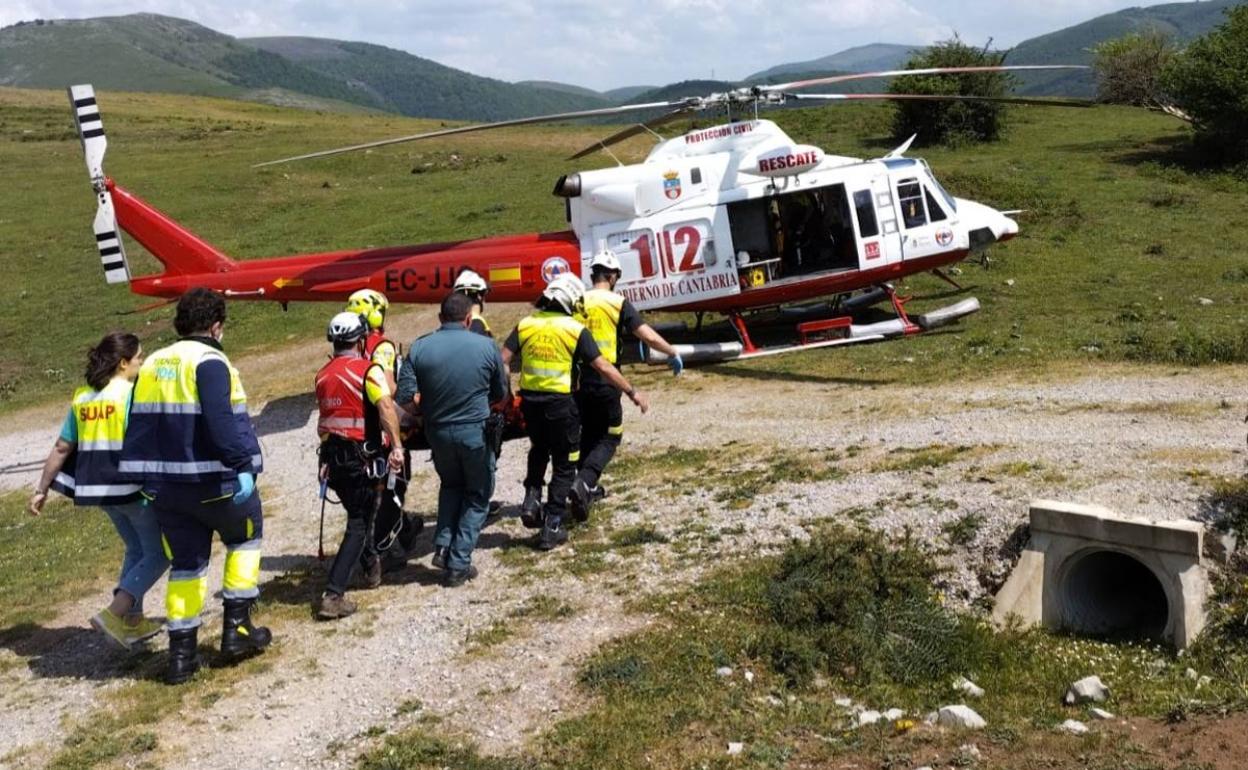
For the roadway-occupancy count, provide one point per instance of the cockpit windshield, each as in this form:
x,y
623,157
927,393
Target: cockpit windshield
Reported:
x,y
939,187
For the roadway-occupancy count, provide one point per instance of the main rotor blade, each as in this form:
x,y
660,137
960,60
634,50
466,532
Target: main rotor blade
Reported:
x,y
631,131
478,127
929,71
943,98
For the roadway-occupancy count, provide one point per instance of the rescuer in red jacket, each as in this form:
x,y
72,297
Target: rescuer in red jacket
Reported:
x,y
360,450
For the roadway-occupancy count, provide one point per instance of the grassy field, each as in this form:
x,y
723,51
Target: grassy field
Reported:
x,y
1121,241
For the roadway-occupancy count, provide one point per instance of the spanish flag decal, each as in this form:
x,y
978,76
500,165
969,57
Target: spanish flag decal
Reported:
x,y
505,274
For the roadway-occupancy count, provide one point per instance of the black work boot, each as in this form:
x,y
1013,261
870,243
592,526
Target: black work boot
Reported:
x,y
554,534
439,557
455,578
240,637
183,655
580,501
531,509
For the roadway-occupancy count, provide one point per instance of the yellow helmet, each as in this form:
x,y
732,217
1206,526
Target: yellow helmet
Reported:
x,y
370,305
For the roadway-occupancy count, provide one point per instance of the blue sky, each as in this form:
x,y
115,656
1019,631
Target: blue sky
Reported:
x,y
609,43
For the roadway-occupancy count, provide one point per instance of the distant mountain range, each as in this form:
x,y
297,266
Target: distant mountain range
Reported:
x,y
149,52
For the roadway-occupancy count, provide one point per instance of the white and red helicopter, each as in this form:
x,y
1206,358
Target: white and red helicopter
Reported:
x,y
729,219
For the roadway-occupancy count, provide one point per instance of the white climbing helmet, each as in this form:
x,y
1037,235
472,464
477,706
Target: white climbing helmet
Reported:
x,y
567,290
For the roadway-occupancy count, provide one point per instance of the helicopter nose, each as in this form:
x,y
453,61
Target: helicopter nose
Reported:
x,y
986,223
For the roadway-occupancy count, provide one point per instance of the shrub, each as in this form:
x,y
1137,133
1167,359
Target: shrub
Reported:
x,y
951,122
1128,68
852,603
1209,81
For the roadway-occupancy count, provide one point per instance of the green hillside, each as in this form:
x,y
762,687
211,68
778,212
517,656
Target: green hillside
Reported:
x,y
566,88
409,85
149,52
863,58
626,93
1073,45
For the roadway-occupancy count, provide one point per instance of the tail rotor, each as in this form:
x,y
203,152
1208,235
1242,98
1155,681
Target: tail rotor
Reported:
x,y
94,143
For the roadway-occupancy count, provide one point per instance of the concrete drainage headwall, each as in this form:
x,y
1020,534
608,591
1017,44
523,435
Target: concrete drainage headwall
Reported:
x,y
1091,571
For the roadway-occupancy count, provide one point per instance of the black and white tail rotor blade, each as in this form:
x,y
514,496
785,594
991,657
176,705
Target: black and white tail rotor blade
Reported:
x,y
94,144
829,80
555,118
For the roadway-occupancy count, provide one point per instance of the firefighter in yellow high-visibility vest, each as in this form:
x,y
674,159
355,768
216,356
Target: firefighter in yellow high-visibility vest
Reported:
x,y
551,344
607,315
191,445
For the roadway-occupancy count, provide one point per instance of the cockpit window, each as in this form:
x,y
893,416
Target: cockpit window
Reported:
x,y
940,188
910,196
934,210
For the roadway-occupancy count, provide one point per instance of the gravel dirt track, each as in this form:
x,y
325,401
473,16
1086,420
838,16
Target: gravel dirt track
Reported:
x,y
1136,440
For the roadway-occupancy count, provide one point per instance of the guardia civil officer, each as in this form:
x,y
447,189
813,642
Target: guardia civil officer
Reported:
x,y
474,287
396,531
356,410
551,344
607,315
192,446
453,376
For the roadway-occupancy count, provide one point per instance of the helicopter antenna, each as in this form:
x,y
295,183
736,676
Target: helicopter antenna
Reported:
x,y
607,150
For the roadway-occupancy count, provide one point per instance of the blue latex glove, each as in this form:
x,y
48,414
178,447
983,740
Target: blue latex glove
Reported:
x,y
676,364
246,487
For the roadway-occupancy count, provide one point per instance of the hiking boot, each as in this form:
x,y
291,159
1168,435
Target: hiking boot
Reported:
x,y
554,534
531,508
457,577
580,500
369,575
598,492
395,559
240,637
107,623
439,557
142,630
183,655
335,606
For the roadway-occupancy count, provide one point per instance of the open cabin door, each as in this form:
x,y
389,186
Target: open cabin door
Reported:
x,y
672,258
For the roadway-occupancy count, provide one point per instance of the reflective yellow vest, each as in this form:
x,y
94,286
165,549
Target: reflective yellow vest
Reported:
x,y
91,475
168,437
476,316
547,349
602,316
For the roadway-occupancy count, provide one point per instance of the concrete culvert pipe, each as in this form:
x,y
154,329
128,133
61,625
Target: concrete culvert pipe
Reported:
x,y
1108,593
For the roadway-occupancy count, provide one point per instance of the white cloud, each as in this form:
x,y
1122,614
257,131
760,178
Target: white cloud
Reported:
x,y
608,44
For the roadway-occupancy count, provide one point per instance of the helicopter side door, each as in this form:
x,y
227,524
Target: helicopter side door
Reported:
x,y
926,229
879,234
671,258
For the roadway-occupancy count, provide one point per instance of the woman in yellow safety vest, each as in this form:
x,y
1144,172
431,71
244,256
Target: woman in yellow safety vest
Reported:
x,y
83,466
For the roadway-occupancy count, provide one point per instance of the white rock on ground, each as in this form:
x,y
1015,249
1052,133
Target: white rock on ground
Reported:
x,y
845,703
893,715
1100,714
969,751
1090,689
966,686
735,749
869,718
1073,726
960,716
723,671
749,676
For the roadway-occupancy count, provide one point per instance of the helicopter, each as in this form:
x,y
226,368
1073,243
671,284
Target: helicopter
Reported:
x,y
731,219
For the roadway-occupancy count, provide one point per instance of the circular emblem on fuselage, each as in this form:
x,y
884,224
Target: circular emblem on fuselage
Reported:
x,y
553,267
944,236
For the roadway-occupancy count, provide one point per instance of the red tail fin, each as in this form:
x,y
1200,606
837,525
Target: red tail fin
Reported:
x,y
178,249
